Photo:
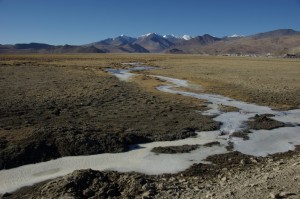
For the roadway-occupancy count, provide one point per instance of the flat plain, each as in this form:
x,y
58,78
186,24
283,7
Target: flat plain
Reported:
x,y
269,81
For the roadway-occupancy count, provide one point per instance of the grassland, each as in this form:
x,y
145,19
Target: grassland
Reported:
x,y
48,102
266,81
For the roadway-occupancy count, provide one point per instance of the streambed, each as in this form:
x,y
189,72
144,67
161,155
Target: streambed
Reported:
x,y
141,159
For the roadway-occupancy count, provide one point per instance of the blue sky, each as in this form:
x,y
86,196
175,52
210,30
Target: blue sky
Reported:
x,y
86,21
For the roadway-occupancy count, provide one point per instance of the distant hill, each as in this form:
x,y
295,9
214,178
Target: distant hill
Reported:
x,y
45,48
276,42
276,33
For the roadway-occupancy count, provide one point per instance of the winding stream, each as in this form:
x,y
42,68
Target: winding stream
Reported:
x,y
141,159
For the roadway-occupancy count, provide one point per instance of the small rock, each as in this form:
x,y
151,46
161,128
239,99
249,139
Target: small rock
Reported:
x,y
208,185
172,179
281,162
253,185
146,187
253,160
268,177
272,195
230,193
242,162
88,193
209,194
182,180
146,195
161,186
224,179
295,178
285,194
276,169
269,187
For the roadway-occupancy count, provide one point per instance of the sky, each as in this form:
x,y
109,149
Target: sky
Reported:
x,y
79,22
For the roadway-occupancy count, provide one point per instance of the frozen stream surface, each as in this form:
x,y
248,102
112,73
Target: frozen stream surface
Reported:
x,y
141,159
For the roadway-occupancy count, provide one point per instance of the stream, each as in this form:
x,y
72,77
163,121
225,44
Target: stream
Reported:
x,y
141,159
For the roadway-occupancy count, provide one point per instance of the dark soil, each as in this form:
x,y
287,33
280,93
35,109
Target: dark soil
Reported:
x,y
48,112
175,149
210,144
181,149
264,122
241,134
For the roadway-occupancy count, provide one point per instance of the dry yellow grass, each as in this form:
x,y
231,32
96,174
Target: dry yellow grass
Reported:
x,y
266,81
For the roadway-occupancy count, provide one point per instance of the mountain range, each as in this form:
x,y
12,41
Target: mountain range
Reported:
x,y
277,42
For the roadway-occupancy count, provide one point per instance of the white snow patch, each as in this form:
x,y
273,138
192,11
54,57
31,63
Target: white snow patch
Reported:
x,y
232,121
149,34
122,74
290,117
265,142
175,82
186,37
169,36
236,35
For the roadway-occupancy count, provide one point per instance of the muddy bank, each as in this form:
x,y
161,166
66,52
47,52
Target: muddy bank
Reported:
x,y
49,112
175,149
182,149
259,122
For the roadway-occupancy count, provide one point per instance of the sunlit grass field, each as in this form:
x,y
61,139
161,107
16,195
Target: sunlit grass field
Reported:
x,y
265,81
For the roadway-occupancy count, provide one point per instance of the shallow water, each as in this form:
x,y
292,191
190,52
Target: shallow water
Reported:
x,y
261,142
126,74
141,159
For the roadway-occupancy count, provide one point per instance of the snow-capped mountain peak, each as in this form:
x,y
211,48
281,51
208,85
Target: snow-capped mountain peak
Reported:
x,y
236,35
186,37
169,36
172,36
149,34
122,36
